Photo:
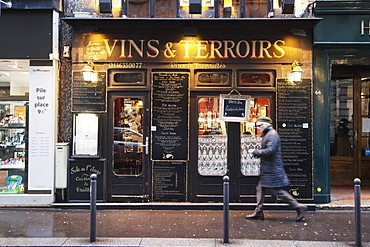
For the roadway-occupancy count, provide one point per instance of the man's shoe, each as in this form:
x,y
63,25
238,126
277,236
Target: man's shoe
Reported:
x,y
257,215
300,213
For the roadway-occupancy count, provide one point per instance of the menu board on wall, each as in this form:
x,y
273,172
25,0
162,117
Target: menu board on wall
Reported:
x,y
169,181
170,116
79,172
88,96
294,124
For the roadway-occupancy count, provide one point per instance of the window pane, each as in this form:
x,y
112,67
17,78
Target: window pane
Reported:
x,y
165,9
213,78
212,138
341,125
256,8
128,136
250,78
250,136
138,8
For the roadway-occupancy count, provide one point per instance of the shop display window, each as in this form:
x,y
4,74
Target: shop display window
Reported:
x,y
128,136
12,146
14,88
250,136
213,139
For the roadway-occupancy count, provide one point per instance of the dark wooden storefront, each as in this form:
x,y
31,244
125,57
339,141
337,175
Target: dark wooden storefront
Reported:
x,y
163,164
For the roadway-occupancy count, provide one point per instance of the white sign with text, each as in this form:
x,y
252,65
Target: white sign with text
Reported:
x,y
41,129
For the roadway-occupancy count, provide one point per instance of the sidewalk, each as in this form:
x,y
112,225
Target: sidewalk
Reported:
x,y
164,242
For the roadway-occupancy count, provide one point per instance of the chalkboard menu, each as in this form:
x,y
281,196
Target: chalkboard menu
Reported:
x,y
169,181
294,123
88,96
79,172
170,116
235,108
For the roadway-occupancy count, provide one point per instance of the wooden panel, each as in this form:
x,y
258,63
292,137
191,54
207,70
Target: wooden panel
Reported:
x,y
341,171
127,189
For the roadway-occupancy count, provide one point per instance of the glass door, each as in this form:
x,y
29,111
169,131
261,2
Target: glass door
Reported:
x,y
222,150
350,125
128,168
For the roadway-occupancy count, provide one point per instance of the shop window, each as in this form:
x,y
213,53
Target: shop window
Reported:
x,y
250,136
165,9
212,138
213,78
128,136
255,78
14,88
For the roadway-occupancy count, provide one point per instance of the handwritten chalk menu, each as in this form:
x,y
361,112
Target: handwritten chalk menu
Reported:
x,y
79,172
88,96
294,124
170,116
235,108
169,181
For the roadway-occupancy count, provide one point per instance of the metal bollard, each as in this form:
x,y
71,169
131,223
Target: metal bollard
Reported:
x,y
226,209
357,182
93,187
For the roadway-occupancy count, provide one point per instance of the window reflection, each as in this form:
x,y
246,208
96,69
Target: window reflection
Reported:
x,y
341,125
128,136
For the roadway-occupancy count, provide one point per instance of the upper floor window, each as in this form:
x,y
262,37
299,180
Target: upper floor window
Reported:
x,y
181,8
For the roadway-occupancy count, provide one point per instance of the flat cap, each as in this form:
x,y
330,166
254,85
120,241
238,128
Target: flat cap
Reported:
x,y
264,120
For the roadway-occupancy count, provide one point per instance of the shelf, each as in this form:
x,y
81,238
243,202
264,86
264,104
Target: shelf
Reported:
x,y
8,167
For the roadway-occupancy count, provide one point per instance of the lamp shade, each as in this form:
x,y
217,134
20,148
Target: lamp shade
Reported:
x,y
87,73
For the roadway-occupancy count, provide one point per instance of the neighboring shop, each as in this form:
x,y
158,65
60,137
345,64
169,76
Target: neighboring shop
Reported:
x,y
162,109
341,88
28,87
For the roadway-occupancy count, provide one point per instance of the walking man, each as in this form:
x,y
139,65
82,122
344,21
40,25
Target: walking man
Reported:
x,y
272,173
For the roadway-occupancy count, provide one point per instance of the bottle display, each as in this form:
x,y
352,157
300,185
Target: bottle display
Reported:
x,y
12,146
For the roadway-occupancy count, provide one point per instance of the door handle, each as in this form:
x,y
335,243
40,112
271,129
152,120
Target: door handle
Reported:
x,y
146,146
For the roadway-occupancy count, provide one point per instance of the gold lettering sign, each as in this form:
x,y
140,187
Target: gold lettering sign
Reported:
x,y
185,49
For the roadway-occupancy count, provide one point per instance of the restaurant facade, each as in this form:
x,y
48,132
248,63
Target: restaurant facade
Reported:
x,y
163,108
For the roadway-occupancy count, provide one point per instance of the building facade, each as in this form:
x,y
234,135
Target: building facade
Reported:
x,y
28,79
160,98
341,60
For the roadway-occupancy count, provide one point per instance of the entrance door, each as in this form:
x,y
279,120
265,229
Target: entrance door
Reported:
x,y
128,169
350,125
219,148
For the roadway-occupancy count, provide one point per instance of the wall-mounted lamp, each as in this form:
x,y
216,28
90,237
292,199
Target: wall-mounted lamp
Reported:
x,y
298,32
88,72
297,71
